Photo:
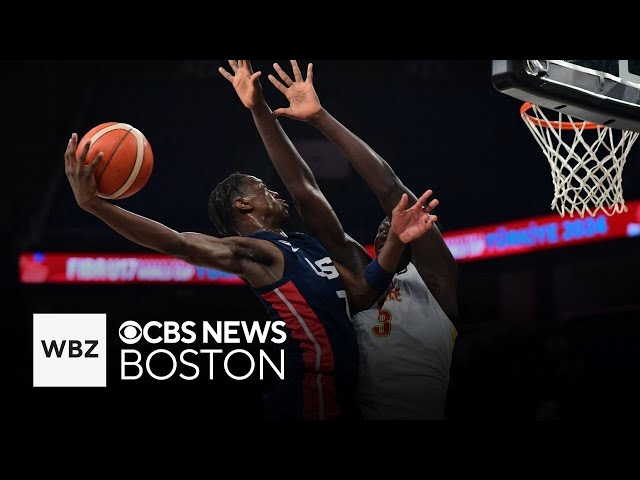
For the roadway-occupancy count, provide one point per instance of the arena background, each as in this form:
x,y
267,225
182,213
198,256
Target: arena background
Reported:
x,y
549,334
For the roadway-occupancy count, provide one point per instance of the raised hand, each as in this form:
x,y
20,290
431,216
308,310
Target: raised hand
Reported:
x,y
303,100
245,82
81,178
410,223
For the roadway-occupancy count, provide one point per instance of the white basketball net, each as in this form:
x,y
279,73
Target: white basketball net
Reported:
x,y
586,165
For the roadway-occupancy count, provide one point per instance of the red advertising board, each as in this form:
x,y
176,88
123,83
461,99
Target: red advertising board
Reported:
x,y
510,238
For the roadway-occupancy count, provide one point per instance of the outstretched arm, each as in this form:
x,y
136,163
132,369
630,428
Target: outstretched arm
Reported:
x,y
407,225
258,261
430,254
316,212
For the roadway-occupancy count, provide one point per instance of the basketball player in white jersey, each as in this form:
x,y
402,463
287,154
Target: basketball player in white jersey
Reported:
x,y
406,340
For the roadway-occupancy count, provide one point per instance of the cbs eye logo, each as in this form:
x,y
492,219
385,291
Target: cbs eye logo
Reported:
x,y
130,332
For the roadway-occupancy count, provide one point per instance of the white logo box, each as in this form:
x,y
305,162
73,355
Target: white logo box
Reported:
x,y
74,352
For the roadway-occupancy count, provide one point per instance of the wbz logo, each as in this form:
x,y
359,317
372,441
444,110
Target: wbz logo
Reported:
x,y
74,350
69,350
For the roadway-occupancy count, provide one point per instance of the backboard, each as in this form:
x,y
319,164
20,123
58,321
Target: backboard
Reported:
x,y
606,92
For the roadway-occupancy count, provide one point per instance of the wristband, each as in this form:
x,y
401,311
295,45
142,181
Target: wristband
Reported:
x,y
376,277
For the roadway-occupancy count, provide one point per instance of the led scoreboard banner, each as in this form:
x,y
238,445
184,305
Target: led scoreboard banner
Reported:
x,y
540,233
478,243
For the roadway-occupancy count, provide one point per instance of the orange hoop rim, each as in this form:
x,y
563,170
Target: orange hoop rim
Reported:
x,y
555,124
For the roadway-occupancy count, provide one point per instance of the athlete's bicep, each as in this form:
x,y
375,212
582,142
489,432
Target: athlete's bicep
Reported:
x,y
239,255
443,281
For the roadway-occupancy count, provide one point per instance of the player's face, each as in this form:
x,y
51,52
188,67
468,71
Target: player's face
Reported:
x,y
381,238
267,201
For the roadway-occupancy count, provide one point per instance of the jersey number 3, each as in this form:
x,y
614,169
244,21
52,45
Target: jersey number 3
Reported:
x,y
382,327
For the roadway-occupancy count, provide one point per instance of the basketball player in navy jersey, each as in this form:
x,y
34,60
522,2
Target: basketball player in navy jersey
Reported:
x,y
406,340
294,277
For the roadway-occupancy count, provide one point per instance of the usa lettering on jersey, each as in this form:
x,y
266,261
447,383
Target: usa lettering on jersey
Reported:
x,y
325,267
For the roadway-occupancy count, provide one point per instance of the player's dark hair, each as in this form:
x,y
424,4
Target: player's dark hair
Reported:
x,y
221,210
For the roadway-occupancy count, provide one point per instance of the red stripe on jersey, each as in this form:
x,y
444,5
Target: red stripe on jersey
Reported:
x,y
319,397
313,323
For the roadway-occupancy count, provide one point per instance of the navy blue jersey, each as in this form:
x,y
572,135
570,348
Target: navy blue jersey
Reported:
x,y
321,349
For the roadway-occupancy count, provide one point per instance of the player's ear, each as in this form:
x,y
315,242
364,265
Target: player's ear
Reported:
x,y
243,204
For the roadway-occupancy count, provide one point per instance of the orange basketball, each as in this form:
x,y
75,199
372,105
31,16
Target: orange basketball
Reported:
x,y
127,162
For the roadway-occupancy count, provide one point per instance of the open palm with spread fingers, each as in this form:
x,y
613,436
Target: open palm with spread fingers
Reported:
x,y
245,82
303,100
410,223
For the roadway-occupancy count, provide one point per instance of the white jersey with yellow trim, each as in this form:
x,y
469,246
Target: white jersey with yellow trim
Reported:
x,y
405,353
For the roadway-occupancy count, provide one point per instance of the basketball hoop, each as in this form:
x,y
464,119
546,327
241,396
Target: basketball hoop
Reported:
x,y
586,161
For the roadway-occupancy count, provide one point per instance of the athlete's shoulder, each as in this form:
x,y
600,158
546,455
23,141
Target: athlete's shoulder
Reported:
x,y
301,236
265,235
411,275
304,240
